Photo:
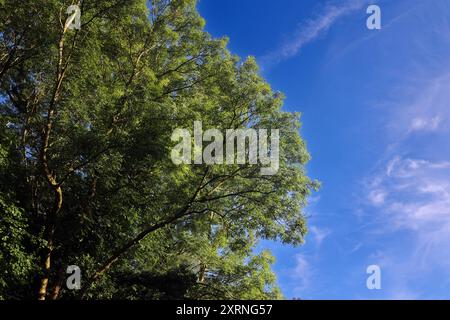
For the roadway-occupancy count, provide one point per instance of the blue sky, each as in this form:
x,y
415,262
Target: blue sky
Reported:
x,y
375,108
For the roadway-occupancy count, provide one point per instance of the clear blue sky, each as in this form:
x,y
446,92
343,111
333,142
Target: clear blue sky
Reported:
x,y
375,108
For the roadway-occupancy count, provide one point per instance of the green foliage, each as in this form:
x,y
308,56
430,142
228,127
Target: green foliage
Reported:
x,y
15,264
108,97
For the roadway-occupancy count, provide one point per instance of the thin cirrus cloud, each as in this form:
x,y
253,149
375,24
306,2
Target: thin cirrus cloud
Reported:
x,y
319,235
430,111
311,29
302,273
423,124
413,192
416,194
416,199
409,192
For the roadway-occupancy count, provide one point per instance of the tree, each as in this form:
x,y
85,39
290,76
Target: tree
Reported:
x,y
87,117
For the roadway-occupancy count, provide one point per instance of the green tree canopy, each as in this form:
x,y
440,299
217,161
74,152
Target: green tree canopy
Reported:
x,y
86,176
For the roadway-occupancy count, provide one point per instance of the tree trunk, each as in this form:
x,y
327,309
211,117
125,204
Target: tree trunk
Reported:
x,y
50,232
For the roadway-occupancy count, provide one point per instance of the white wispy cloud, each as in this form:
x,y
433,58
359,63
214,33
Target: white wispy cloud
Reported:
x,y
377,196
319,235
417,193
421,104
424,124
409,191
302,273
311,29
416,200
